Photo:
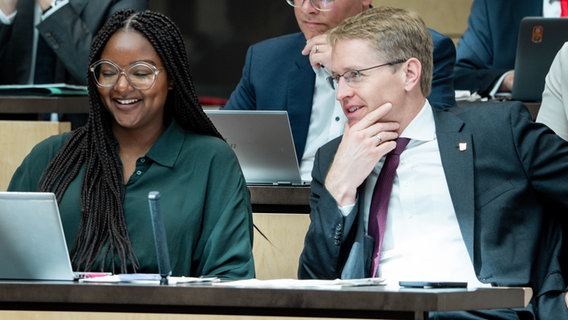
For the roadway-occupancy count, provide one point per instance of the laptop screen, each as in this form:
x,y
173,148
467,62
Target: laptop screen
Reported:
x,y
32,242
538,43
263,143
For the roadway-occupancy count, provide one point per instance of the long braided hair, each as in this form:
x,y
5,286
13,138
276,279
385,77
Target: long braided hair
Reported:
x,y
102,231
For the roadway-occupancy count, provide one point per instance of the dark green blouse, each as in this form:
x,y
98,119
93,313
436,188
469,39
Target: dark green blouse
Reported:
x,y
204,200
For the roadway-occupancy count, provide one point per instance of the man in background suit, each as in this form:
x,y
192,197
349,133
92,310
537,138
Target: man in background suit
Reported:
x,y
60,31
479,195
486,52
289,73
67,27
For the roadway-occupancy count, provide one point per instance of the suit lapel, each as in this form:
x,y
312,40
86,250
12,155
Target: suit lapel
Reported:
x,y
456,151
301,81
19,52
79,5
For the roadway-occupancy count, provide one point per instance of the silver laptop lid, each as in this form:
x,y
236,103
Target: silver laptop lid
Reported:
x,y
263,143
538,43
32,242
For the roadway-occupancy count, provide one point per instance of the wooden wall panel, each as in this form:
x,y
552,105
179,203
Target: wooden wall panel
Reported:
x,y
448,17
278,259
18,138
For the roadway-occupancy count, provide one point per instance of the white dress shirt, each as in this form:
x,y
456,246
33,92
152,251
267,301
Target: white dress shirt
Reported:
x,y
327,121
553,110
551,8
422,240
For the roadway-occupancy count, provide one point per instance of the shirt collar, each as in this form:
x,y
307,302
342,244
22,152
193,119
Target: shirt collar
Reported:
x,y
168,147
422,127
321,72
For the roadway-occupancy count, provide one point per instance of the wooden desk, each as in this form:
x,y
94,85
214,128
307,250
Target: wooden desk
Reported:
x,y
281,199
39,104
45,104
351,302
533,108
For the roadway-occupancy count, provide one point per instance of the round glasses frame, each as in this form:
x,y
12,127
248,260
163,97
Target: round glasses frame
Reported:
x,y
320,5
155,71
354,76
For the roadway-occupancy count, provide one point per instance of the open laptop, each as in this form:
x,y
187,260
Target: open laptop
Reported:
x,y
263,143
32,242
538,43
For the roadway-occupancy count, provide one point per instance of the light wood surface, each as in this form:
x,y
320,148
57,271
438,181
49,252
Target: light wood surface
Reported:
x,y
18,138
278,259
448,17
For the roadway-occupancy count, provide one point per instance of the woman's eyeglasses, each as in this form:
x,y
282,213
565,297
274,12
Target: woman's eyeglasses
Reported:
x,y
141,75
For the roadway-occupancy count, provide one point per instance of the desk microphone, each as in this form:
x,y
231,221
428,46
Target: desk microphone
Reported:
x,y
160,240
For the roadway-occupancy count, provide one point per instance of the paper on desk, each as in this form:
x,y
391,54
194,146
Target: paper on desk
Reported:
x,y
293,283
148,278
466,95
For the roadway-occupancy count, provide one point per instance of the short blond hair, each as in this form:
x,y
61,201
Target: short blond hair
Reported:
x,y
395,33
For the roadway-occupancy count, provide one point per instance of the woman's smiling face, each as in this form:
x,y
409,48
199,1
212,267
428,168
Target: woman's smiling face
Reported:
x,y
133,108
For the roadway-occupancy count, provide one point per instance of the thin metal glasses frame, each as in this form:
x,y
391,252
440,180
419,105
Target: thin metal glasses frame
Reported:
x,y
352,74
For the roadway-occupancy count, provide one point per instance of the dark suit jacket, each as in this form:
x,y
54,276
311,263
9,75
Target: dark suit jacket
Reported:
x,y
68,31
276,76
488,47
510,194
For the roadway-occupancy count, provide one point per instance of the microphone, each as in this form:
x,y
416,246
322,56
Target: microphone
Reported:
x,y
160,240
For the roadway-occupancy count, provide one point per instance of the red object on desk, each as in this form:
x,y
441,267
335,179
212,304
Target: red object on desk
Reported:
x,y
212,101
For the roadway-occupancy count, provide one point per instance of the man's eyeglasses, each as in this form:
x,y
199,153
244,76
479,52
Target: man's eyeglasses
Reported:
x,y
353,77
141,75
320,5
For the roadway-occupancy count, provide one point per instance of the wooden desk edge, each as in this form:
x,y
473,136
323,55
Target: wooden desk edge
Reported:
x,y
281,199
348,302
41,104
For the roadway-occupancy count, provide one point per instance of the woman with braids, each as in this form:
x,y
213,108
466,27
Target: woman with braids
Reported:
x,y
146,132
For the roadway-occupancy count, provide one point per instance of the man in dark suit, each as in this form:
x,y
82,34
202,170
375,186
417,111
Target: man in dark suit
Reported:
x,y
488,47
288,73
48,41
67,27
479,195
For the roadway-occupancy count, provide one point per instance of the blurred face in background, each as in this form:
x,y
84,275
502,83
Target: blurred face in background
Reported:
x,y
314,22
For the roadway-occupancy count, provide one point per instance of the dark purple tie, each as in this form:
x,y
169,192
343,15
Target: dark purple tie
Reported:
x,y
380,200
